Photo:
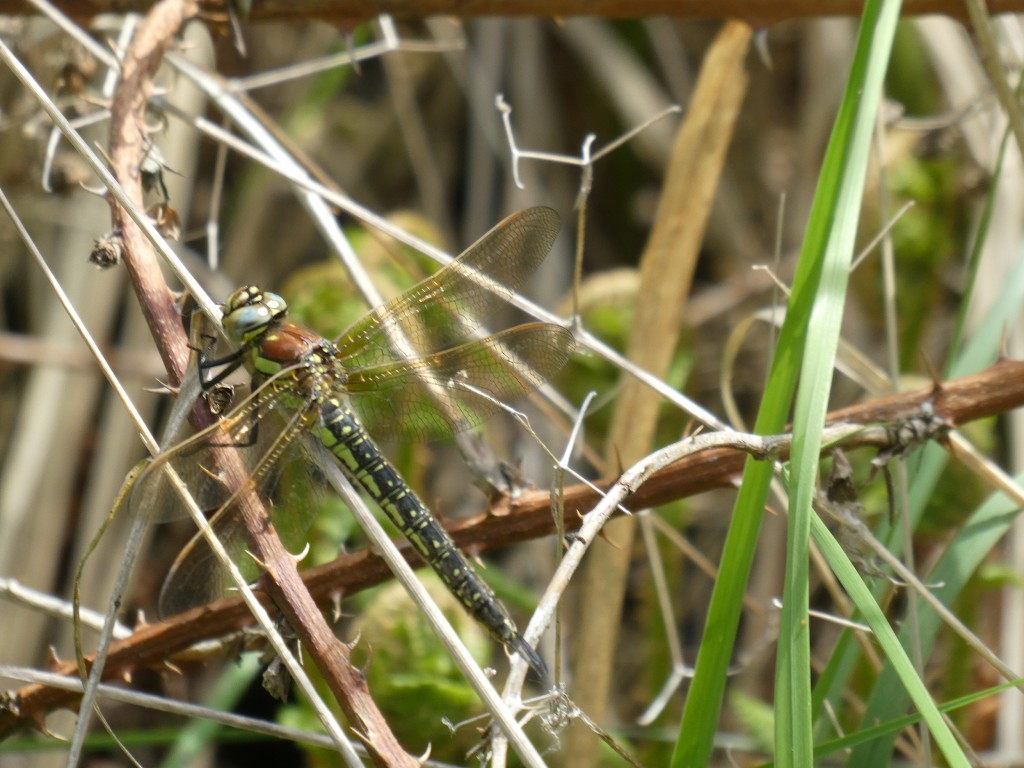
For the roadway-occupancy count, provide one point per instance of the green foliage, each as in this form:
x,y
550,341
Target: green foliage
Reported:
x,y
757,719
927,238
910,80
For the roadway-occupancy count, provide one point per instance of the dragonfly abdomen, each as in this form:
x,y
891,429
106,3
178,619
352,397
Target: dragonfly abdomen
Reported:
x,y
347,438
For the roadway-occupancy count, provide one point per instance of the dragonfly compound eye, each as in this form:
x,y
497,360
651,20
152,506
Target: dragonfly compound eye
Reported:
x,y
274,303
249,311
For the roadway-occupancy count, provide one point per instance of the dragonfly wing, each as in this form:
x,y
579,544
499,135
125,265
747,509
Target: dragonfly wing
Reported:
x,y
447,306
189,472
460,387
254,437
197,575
190,469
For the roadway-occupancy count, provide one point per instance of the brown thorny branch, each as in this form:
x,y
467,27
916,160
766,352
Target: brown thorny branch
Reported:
x,y
996,390
128,146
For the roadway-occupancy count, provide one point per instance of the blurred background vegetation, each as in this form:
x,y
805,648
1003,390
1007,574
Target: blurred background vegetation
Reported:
x,y
414,136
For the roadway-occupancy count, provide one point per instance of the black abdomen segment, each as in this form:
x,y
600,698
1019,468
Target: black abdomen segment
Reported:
x,y
346,438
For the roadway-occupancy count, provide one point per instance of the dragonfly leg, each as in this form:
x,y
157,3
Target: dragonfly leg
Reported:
x,y
233,362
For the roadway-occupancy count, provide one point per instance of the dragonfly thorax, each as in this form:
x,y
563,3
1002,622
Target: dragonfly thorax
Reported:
x,y
250,311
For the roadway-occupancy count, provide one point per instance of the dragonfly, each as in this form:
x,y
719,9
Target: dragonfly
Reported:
x,y
405,369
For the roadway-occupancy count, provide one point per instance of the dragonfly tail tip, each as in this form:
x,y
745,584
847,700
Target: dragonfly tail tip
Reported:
x,y
524,649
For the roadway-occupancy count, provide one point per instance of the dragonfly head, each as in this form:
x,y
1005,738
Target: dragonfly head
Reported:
x,y
250,311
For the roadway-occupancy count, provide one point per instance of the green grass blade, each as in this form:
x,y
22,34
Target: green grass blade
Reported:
x,y
824,261
831,240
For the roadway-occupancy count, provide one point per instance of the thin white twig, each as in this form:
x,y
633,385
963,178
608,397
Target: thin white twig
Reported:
x,y
80,326
881,235
628,483
524,422
577,429
213,217
831,618
54,141
390,42
586,159
635,476
680,670
17,592
76,33
182,709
